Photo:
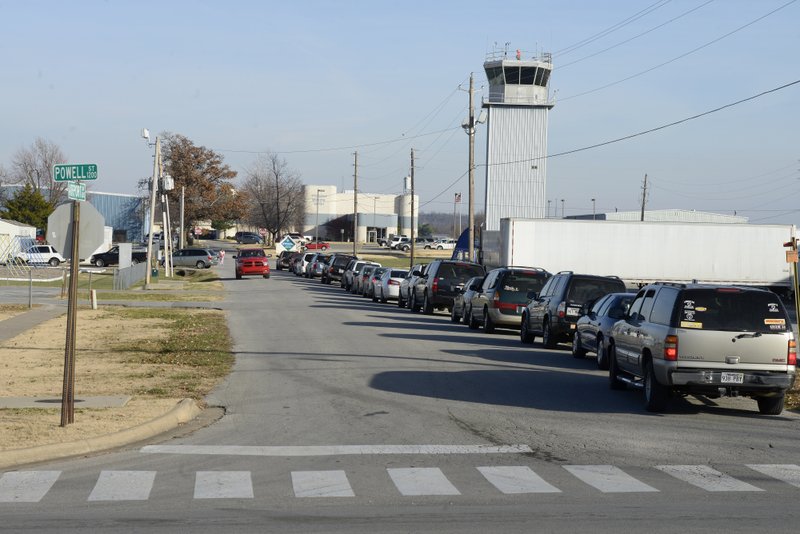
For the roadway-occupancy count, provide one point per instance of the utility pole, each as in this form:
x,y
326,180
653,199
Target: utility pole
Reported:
x,y
355,203
471,215
153,189
644,197
594,216
182,243
316,226
562,208
411,260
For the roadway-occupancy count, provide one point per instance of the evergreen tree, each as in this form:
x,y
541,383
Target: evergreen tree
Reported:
x,y
27,206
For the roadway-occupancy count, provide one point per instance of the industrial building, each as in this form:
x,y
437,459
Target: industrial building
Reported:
x,y
329,214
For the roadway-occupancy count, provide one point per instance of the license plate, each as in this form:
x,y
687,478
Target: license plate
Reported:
x,y
574,312
732,378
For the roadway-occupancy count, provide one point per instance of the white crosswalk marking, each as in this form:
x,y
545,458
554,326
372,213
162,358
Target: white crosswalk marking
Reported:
x,y
789,473
422,481
608,479
706,478
123,486
223,485
516,479
321,484
26,486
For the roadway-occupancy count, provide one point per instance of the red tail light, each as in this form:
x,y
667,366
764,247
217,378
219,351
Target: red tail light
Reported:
x,y
394,283
671,348
331,269
497,304
561,311
435,286
792,354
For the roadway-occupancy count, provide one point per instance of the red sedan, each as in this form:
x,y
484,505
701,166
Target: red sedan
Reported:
x,y
252,261
318,245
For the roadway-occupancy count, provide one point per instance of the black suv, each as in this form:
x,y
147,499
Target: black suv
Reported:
x,y
440,282
336,267
554,312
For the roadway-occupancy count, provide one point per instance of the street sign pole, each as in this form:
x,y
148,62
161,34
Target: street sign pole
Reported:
x,y
72,173
68,391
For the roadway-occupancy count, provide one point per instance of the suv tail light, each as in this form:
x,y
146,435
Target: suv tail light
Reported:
x,y
671,348
792,353
498,304
435,286
394,283
561,311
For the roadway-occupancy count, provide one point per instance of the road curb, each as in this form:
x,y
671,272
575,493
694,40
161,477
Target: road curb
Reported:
x,y
183,412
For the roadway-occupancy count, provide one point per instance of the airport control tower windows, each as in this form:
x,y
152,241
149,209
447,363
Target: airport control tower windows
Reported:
x,y
542,77
495,75
512,75
527,75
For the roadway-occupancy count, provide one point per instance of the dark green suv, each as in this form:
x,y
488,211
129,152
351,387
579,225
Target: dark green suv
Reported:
x,y
554,311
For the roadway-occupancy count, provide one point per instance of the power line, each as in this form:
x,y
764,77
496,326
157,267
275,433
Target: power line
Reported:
x,y
651,130
611,29
677,57
626,41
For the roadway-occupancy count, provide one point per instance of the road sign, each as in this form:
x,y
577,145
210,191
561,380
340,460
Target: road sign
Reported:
x,y
288,243
76,191
70,172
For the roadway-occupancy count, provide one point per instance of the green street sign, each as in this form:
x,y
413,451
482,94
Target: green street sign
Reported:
x,y
72,172
76,191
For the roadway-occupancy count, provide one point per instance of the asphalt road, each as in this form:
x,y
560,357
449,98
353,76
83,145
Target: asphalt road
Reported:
x,y
342,415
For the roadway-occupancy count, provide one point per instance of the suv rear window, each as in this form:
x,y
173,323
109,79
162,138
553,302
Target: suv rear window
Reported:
x,y
515,286
585,290
729,309
461,271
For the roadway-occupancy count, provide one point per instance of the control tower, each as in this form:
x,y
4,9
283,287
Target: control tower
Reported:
x,y
516,142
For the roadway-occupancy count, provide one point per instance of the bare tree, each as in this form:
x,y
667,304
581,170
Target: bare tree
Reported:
x,y
34,165
276,195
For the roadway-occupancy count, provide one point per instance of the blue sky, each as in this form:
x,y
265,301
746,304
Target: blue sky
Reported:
x,y
297,77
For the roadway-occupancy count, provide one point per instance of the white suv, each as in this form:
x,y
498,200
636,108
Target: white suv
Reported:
x,y
41,254
397,240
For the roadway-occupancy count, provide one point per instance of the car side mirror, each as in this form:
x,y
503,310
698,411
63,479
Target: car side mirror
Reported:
x,y
235,256
416,273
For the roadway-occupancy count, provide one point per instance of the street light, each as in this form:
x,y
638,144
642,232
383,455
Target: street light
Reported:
x,y
593,212
562,208
316,228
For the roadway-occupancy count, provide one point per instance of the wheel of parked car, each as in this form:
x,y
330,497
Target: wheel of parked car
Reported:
x,y
200,265
525,335
548,340
400,302
656,394
427,305
472,323
266,275
577,349
238,276
488,324
613,371
465,313
384,300
53,262
454,317
99,263
770,405
602,356
412,303
440,247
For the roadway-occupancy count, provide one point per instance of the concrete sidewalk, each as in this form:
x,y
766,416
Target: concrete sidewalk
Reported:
x,y
25,321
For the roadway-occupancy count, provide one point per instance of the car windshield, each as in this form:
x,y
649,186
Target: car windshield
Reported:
x,y
584,290
734,310
516,286
251,253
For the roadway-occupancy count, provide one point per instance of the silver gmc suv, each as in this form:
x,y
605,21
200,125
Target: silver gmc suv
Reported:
x,y
707,340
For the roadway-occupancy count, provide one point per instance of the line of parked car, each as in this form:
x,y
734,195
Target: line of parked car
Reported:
x,y
666,339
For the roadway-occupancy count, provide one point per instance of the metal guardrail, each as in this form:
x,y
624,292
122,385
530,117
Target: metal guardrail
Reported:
x,y
126,277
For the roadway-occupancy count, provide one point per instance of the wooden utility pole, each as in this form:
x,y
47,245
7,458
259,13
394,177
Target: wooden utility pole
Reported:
x,y
153,189
644,197
355,203
411,260
471,132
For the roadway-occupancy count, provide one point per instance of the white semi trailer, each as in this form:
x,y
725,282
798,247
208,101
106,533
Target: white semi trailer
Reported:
x,y
644,252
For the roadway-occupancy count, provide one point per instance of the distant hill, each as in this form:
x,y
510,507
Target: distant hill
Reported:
x,y
441,224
